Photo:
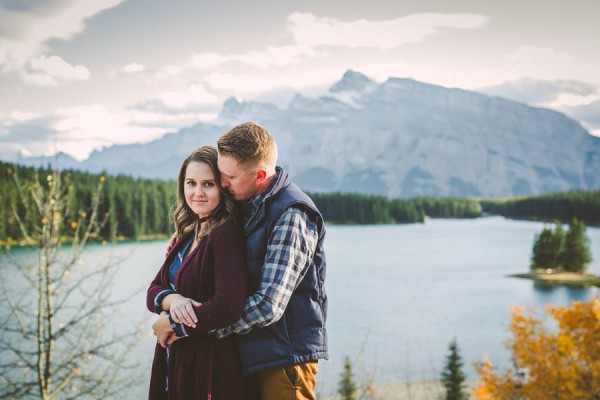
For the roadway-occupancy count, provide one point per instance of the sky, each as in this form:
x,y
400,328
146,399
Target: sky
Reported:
x,y
79,75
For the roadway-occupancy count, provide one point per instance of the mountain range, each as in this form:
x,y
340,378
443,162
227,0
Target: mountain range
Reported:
x,y
399,138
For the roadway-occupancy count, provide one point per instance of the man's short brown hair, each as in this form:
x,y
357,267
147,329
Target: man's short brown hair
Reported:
x,y
248,143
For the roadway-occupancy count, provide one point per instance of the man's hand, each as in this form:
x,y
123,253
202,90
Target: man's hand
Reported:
x,y
162,329
182,309
172,339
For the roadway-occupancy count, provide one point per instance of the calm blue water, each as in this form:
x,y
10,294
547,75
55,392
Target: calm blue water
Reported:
x,y
397,294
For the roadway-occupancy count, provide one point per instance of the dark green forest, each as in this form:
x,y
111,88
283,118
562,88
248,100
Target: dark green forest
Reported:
x,y
130,208
135,208
344,208
563,207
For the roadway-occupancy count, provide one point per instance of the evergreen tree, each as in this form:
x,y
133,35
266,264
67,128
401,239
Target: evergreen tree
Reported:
x,y
544,253
558,245
453,378
577,255
347,385
548,248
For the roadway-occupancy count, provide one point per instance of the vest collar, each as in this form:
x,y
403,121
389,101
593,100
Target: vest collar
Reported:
x,y
258,203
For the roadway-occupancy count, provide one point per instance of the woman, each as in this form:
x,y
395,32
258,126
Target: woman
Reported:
x,y
203,277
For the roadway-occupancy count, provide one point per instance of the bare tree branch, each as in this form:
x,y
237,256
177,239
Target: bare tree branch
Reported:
x,y
52,347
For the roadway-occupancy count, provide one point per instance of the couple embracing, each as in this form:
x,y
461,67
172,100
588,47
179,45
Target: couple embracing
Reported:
x,y
240,296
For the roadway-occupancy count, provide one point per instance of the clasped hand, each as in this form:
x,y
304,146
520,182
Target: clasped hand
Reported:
x,y
163,331
182,310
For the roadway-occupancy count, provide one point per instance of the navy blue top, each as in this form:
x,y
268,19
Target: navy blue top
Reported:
x,y
177,261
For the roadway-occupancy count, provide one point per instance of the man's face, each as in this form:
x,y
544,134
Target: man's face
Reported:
x,y
240,182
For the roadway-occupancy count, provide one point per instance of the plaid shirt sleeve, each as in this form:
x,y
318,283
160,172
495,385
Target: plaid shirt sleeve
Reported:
x,y
290,249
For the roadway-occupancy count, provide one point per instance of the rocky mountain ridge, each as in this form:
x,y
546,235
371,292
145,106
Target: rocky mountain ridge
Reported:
x,y
400,138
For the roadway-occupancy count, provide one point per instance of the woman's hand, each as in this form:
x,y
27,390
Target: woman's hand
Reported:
x,y
162,329
182,309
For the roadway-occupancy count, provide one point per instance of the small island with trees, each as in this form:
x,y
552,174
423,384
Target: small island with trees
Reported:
x,y
560,257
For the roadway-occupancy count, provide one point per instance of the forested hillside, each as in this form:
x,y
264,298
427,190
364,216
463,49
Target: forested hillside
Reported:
x,y
564,207
134,208
131,208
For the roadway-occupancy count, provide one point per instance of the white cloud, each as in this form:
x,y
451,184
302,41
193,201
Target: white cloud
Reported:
x,y
589,113
49,71
235,84
133,67
195,95
545,63
23,44
129,69
311,31
544,92
80,130
168,121
571,100
94,126
20,116
261,59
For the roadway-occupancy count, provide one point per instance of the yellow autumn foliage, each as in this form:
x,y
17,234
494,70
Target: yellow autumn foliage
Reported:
x,y
559,360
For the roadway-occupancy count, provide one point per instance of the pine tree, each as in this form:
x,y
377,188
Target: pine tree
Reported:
x,y
558,245
453,378
548,248
577,255
347,385
543,252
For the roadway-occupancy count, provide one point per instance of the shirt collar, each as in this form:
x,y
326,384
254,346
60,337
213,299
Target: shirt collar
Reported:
x,y
254,202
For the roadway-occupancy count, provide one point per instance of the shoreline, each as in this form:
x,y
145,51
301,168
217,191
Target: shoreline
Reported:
x,y
10,244
561,278
414,390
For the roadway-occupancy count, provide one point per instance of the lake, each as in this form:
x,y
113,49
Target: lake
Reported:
x,y
398,294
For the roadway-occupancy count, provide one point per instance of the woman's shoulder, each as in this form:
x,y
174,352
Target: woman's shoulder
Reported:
x,y
227,228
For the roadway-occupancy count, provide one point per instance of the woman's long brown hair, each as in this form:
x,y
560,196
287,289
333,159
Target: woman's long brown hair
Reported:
x,y
185,220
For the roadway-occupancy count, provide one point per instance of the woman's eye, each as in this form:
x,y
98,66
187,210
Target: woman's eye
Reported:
x,y
208,184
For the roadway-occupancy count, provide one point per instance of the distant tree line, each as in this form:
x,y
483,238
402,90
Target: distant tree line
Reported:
x,y
566,206
130,207
344,208
137,208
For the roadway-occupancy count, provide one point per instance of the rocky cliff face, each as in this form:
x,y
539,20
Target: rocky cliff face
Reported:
x,y
401,138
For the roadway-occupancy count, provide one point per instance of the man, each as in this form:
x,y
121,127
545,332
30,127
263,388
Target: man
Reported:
x,y
282,330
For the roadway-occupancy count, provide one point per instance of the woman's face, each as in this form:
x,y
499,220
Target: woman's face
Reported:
x,y
201,192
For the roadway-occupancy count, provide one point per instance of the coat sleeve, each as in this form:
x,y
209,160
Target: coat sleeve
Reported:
x,y
226,305
158,286
154,290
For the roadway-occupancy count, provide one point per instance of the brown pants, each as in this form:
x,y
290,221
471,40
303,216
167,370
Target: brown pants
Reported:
x,y
290,382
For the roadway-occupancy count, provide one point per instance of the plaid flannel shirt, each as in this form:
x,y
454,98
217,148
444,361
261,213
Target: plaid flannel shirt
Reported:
x,y
290,249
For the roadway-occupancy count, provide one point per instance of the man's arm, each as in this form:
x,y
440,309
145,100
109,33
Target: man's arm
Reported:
x,y
290,249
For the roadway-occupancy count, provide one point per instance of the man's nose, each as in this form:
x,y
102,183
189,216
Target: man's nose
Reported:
x,y
224,182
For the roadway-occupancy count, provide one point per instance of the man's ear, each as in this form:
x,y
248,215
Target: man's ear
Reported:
x,y
261,175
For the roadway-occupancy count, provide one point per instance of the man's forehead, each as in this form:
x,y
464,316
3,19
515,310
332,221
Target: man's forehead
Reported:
x,y
228,165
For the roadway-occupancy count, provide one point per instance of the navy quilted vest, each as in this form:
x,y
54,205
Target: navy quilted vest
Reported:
x,y
300,334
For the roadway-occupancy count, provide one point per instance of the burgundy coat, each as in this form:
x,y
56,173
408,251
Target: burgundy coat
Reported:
x,y
200,365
